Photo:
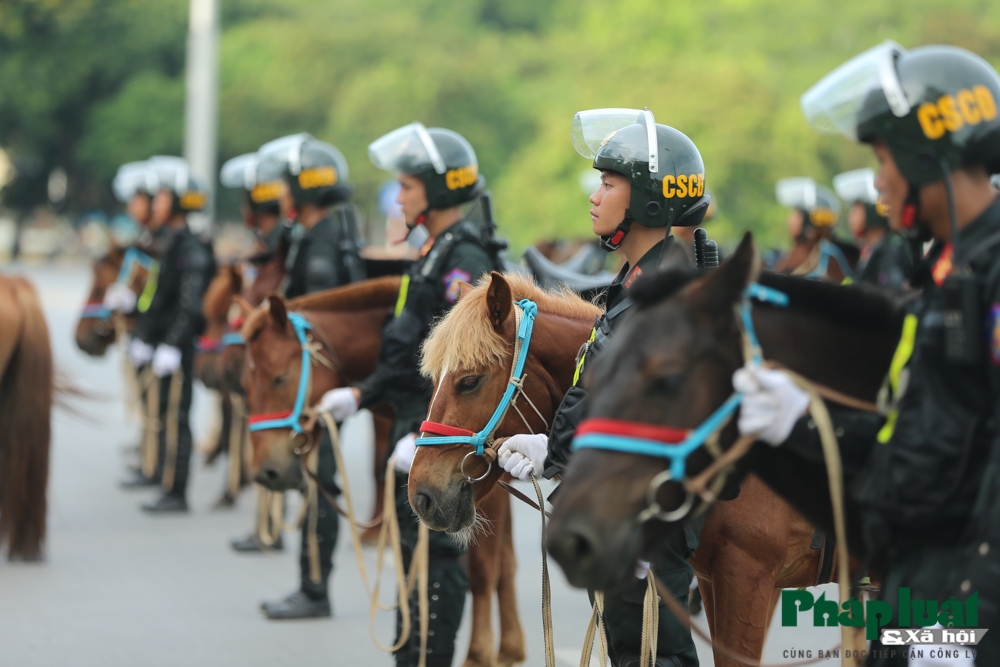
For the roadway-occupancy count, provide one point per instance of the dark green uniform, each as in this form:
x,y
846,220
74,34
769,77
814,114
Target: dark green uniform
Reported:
x,y
623,611
887,263
174,317
430,288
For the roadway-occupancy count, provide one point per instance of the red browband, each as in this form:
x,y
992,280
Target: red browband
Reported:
x,y
253,419
666,434
443,429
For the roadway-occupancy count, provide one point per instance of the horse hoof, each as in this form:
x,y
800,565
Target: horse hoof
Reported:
x,y
225,502
511,658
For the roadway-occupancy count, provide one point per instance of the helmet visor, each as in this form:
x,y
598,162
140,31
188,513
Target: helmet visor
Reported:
x,y
130,179
864,87
592,129
286,150
799,192
857,185
408,149
240,172
167,172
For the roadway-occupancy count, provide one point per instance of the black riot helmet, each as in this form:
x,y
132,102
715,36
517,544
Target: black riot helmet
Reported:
x,y
262,183
858,188
164,172
315,171
820,208
664,167
442,159
935,108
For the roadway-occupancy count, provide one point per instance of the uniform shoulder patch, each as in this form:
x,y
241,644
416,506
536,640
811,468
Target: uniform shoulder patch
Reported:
x,y
453,284
994,334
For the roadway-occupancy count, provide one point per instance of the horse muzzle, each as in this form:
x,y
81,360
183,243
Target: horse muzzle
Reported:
x,y
450,510
594,558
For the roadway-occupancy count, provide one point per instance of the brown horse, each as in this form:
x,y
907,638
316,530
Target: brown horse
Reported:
x,y
757,539
26,392
842,337
95,332
347,322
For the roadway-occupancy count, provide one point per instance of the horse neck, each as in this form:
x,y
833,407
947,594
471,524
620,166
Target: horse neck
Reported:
x,y
268,280
555,344
354,336
843,358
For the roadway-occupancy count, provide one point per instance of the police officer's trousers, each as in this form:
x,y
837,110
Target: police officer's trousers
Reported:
x,y
326,522
174,440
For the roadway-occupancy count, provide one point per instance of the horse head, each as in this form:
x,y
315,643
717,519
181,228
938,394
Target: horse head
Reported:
x,y
216,305
469,356
670,364
95,332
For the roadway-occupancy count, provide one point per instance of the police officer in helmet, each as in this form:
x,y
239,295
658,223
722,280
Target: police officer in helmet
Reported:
x,y
438,173
262,186
129,186
652,179
885,257
815,211
930,487
169,322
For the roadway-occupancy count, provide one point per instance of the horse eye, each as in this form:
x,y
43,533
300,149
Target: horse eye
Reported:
x,y
468,383
667,384
280,380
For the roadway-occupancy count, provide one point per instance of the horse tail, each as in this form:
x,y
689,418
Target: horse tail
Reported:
x,y
25,409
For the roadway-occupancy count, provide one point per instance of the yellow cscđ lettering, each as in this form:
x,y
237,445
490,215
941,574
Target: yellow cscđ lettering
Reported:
x,y
683,185
462,177
192,201
953,112
264,192
317,177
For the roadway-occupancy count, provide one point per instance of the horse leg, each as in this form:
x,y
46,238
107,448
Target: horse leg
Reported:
x,y
484,562
511,635
382,427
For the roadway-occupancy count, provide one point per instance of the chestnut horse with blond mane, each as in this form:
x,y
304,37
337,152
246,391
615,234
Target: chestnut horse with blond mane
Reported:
x,y
750,547
348,322
26,393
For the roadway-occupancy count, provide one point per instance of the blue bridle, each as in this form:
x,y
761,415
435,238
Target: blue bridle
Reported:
x,y
290,419
133,256
677,452
828,249
450,435
233,338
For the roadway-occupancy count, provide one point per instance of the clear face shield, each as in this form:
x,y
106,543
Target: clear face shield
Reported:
x,y
131,178
406,149
595,129
286,150
240,172
864,87
856,185
167,172
798,192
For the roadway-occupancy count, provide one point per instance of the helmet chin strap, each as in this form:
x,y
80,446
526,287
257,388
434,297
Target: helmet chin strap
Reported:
x,y
614,241
421,219
910,217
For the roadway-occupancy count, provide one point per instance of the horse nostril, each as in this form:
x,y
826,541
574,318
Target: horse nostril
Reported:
x,y
423,503
573,548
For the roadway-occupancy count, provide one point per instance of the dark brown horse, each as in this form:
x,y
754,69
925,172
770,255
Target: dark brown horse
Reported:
x,y
841,337
347,322
26,392
95,332
750,548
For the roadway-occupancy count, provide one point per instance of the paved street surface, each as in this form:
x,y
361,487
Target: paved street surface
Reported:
x,y
119,588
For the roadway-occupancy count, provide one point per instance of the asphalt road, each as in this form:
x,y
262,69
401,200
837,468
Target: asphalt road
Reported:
x,y
119,588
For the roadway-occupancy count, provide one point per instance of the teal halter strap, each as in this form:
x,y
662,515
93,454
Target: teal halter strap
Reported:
x,y
290,419
450,435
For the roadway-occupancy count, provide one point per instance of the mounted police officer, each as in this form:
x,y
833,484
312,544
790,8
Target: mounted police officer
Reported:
x,y
886,258
324,255
814,213
652,179
262,186
930,488
438,173
170,320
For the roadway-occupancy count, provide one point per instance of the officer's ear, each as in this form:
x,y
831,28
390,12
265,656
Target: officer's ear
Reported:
x,y
725,286
464,288
279,312
499,301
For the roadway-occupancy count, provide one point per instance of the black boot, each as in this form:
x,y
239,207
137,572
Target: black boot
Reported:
x,y
168,503
252,544
298,605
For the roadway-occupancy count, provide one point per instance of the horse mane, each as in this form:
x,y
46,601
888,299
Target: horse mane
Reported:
x,y
465,338
857,306
365,295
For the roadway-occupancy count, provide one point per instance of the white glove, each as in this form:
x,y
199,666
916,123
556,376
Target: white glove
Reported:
x,y
402,456
523,454
772,403
166,360
340,403
139,353
119,297
641,569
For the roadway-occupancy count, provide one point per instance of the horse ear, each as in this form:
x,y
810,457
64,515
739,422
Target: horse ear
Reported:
x,y
727,283
279,312
499,301
464,288
236,277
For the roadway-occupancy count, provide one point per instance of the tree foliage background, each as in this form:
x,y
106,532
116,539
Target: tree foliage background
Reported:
x,y
89,84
